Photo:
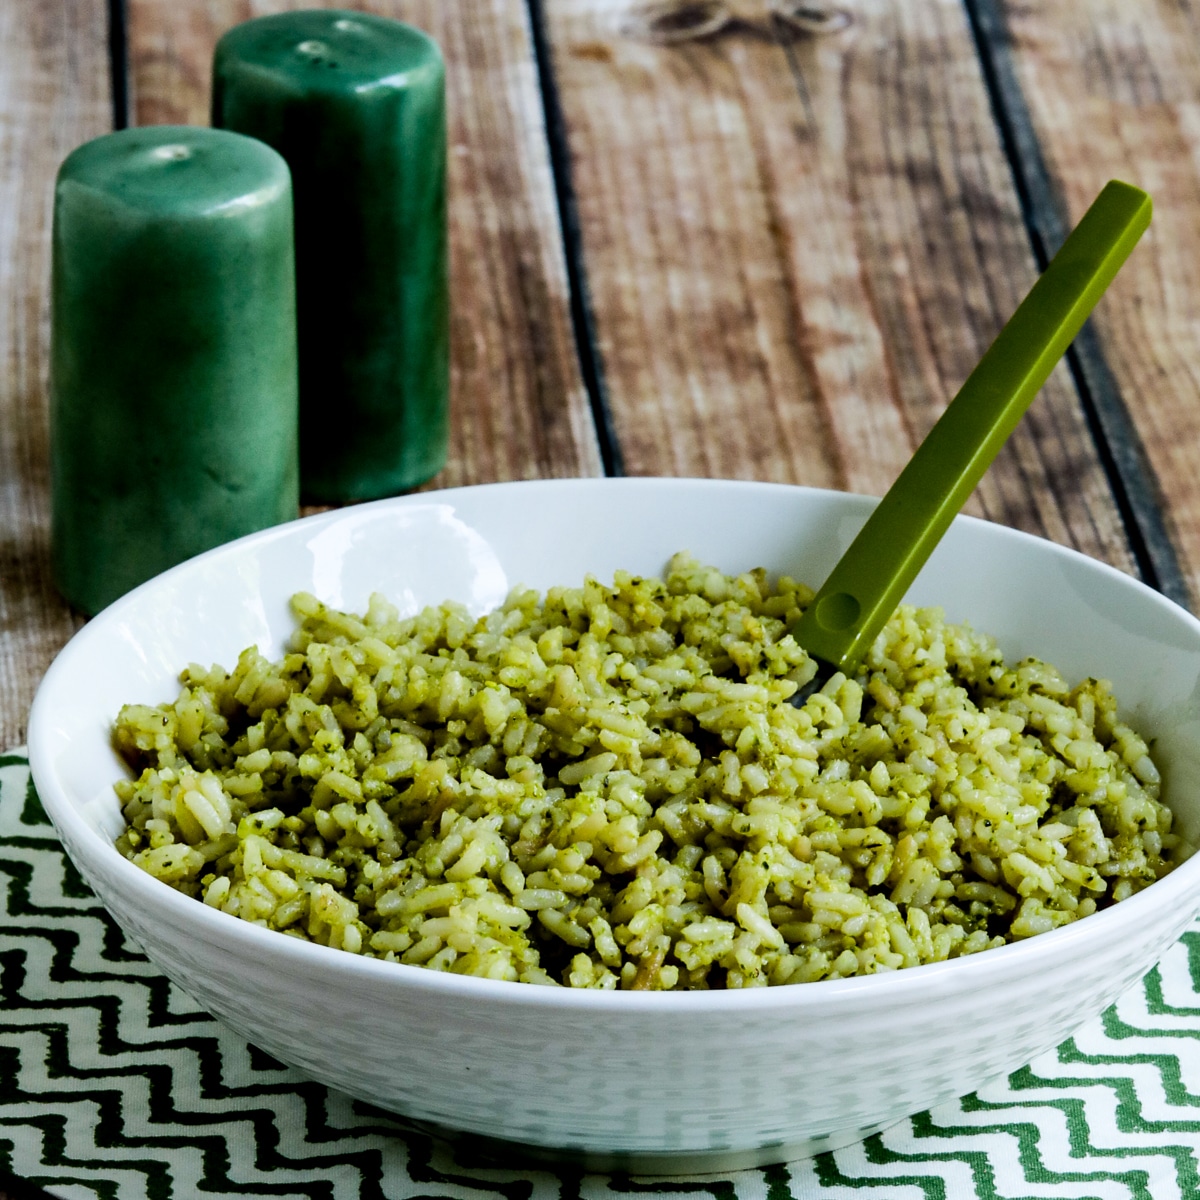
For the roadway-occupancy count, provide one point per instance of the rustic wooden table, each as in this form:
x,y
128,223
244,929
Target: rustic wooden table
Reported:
x,y
771,250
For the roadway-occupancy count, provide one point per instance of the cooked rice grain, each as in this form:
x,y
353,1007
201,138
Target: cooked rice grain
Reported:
x,y
607,788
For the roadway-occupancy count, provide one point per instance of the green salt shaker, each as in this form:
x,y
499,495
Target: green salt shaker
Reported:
x,y
356,105
173,402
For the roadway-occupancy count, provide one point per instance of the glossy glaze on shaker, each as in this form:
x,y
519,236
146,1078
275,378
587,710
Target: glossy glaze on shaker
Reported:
x,y
356,105
173,378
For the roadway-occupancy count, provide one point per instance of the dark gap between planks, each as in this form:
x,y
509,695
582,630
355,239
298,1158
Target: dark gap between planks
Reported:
x,y
118,62
1122,455
583,320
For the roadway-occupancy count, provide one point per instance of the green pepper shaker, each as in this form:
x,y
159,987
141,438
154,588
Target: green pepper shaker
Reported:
x,y
356,105
173,400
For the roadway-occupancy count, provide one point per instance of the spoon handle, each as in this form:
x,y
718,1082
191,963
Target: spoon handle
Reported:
x,y
870,579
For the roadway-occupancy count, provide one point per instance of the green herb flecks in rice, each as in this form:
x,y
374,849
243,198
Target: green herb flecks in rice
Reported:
x,y
607,788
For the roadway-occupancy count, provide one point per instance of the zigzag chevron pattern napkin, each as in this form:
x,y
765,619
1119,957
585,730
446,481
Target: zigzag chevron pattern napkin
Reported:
x,y
114,1085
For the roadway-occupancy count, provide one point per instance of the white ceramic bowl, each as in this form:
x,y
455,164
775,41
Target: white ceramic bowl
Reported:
x,y
655,1081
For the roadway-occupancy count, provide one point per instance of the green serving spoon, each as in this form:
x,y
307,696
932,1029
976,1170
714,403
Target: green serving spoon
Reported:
x,y
870,579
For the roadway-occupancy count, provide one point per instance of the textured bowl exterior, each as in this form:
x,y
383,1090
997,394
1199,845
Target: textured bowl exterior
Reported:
x,y
657,1081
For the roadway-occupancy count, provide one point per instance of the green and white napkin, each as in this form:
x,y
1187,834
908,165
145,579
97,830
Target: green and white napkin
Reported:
x,y
113,1084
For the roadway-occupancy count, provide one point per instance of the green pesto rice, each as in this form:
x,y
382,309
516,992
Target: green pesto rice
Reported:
x,y
607,787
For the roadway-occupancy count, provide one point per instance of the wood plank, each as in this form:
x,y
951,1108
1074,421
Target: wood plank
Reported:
x,y
520,409
54,94
1113,90
797,247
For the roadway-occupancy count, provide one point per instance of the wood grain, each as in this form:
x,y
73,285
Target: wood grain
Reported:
x,y
520,410
1113,90
54,94
797,247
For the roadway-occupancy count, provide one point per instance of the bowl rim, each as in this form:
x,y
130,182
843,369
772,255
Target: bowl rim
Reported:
x,y
923,982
